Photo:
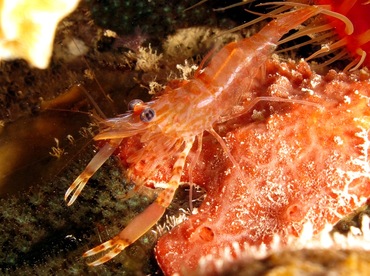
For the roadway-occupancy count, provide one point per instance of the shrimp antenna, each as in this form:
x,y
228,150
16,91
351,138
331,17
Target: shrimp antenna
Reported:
x,y
93,102
195,5
95,79
234,5
254,21
101,89
75,93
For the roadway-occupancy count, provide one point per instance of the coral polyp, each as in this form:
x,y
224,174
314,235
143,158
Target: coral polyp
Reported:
x,y
358,42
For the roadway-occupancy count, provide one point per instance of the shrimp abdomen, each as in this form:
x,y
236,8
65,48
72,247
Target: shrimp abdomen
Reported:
x,y
232,69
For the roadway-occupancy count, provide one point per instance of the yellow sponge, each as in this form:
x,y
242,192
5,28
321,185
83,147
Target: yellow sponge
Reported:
x,y
27,28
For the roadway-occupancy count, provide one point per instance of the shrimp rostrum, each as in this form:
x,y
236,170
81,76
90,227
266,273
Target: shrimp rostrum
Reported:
x,y
175,120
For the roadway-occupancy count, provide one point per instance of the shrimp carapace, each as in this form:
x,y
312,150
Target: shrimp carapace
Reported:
x,y
168,126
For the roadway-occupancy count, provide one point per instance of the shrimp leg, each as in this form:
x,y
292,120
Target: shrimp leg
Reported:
x,y
104,153
249,105
148,218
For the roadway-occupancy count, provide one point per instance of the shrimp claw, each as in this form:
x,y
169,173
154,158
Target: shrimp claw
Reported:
x,y
90,169
147,219
137,227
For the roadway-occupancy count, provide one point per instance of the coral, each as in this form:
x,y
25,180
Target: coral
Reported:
x,y
357,43
300,162
28,28
341,32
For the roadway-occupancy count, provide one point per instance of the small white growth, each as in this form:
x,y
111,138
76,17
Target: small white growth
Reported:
x,y
307,90
155,87
147,59
338,140
325,47
86,132
159,185
71,139
186,69
70,49
209,264
171,222
110,33
77,47
347,99
56,151
89,74
257,115
316,81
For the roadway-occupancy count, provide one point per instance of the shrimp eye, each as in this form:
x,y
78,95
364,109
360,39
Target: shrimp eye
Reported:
x,y
133,103
147,115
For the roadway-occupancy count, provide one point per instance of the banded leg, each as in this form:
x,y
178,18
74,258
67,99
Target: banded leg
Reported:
x,y
147,219
98,160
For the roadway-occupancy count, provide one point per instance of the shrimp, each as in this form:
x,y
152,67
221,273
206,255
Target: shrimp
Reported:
x,y
169,125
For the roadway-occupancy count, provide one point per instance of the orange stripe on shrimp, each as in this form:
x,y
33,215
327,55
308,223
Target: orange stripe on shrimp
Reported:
x,y
168,126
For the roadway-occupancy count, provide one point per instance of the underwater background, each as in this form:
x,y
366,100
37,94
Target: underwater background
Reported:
x,y
47,125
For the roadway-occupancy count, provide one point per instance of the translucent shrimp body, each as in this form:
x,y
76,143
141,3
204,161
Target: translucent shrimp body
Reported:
x,y
169,125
